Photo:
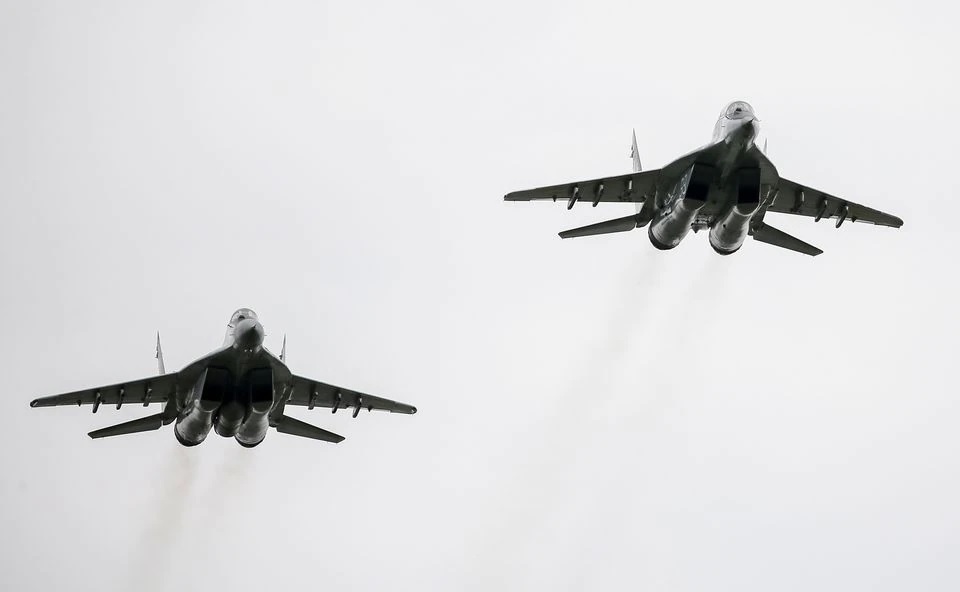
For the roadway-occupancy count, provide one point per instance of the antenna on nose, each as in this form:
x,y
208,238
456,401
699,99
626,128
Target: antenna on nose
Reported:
x,y
283,349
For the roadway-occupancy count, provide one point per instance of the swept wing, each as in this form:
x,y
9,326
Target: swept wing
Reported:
x,y
794,198
155,389
313,393
632,188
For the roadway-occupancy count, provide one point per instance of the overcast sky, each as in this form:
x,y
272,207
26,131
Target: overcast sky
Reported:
x,y
593,414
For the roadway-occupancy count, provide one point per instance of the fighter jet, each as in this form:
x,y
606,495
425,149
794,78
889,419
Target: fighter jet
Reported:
x,y
238,390
726,187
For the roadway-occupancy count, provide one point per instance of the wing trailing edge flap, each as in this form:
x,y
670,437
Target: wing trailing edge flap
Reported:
x,y
288,425
616,225
778,238
142,424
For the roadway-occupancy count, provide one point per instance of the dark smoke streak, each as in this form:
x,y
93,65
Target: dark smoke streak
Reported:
x,y
154,554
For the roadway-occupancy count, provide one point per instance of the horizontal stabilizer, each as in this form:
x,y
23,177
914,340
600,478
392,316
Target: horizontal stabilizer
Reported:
x,y
778,238
144,424
618,225
288,425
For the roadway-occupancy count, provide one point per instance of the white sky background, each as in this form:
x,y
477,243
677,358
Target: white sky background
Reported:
x,y
594,414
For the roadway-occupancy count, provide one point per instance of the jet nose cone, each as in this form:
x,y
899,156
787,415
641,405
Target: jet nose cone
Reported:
x,y
248,333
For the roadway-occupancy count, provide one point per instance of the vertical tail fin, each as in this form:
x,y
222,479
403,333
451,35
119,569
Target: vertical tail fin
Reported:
x,y
645,210
635,154
159,356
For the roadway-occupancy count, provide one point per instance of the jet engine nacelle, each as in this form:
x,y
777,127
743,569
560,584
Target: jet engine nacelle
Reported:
x,y
259,392
673,221
730,230
213,387
229,417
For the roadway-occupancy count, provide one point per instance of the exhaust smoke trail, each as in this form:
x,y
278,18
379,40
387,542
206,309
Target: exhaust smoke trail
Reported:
x,y
155,550
185,516
634,305
653,298
227,498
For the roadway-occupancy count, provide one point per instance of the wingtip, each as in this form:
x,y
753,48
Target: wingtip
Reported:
x,y
35,403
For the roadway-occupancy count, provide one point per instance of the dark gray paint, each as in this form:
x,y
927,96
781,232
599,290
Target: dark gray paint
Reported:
x,y
727,186
225,391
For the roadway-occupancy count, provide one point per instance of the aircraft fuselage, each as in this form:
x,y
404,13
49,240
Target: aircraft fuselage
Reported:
x,y
719,189
234,391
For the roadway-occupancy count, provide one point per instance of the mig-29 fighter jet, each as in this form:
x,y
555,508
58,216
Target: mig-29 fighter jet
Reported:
x,y
238,390
727,186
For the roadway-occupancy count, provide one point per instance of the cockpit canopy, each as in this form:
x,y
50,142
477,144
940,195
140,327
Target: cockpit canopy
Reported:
x,y
739,110
241,314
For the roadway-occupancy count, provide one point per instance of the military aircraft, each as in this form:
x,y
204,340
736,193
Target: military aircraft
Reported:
x,y
727,186
239,390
